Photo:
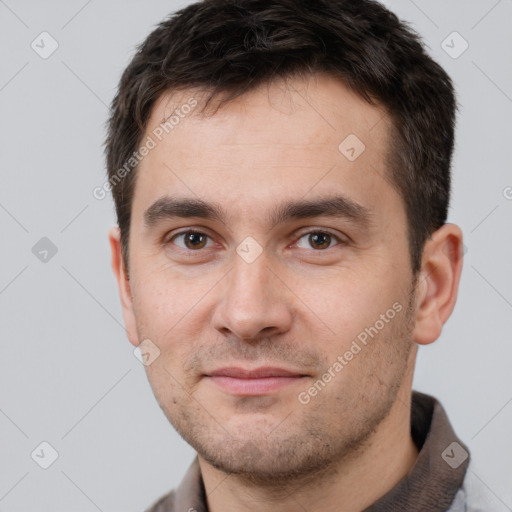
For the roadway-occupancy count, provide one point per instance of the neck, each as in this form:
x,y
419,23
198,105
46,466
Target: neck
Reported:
x,y
348,485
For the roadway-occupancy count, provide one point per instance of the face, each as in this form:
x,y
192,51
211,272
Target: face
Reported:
x,y
294,265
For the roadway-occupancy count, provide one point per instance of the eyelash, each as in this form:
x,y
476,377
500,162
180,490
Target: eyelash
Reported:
x,y
299,237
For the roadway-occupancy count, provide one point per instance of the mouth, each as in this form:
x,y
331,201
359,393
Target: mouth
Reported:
x,y
258,381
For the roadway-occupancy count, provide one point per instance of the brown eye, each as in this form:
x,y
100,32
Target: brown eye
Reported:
x,y
318,240
192,240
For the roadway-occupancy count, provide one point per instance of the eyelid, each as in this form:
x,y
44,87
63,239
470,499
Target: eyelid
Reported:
x,y
203,230
342,240
186,231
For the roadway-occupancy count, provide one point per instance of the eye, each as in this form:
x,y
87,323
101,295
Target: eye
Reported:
x,y
192,240
319,240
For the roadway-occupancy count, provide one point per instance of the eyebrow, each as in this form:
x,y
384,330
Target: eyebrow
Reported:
x,y
337,206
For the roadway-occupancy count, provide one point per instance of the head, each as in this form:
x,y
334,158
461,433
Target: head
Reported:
x,y
281,177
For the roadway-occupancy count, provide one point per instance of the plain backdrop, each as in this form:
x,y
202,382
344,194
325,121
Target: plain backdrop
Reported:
x,y
68,375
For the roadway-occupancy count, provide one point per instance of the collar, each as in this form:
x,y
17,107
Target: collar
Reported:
x,y
439,470
431,484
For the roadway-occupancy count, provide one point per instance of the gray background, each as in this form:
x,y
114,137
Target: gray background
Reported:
x,y
68,375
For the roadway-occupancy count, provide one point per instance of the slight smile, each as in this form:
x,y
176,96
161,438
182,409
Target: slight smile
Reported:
x,y
258,381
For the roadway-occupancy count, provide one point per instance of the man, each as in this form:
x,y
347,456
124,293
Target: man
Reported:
x,y
281,176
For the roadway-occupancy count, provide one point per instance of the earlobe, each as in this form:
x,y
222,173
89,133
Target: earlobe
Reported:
x,y
123,283
438,283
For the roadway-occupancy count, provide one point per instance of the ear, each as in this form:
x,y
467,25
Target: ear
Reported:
x,y
438,282
123,283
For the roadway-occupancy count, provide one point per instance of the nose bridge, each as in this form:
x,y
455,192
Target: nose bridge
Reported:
x,y
249,283
252,300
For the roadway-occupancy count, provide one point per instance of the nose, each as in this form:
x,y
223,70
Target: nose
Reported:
x,y
255,302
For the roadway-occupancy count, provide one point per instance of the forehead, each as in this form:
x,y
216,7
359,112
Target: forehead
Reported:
x,y
282,140
319,107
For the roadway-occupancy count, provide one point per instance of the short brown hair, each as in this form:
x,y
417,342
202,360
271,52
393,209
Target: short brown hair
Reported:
x,y
232,46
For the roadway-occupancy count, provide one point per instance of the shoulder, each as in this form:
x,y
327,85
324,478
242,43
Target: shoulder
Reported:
x,y
163,504
476,496
189,496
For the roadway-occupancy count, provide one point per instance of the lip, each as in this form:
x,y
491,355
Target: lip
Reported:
x,y
256,373
258,381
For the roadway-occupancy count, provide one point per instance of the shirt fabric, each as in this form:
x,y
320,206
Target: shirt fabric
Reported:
x,y
441,480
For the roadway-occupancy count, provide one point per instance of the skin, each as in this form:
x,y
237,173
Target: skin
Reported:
x,y
299,305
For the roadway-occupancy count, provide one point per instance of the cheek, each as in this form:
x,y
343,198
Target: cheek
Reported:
x,y
154,307
169,313
157,288
158,307
348,302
